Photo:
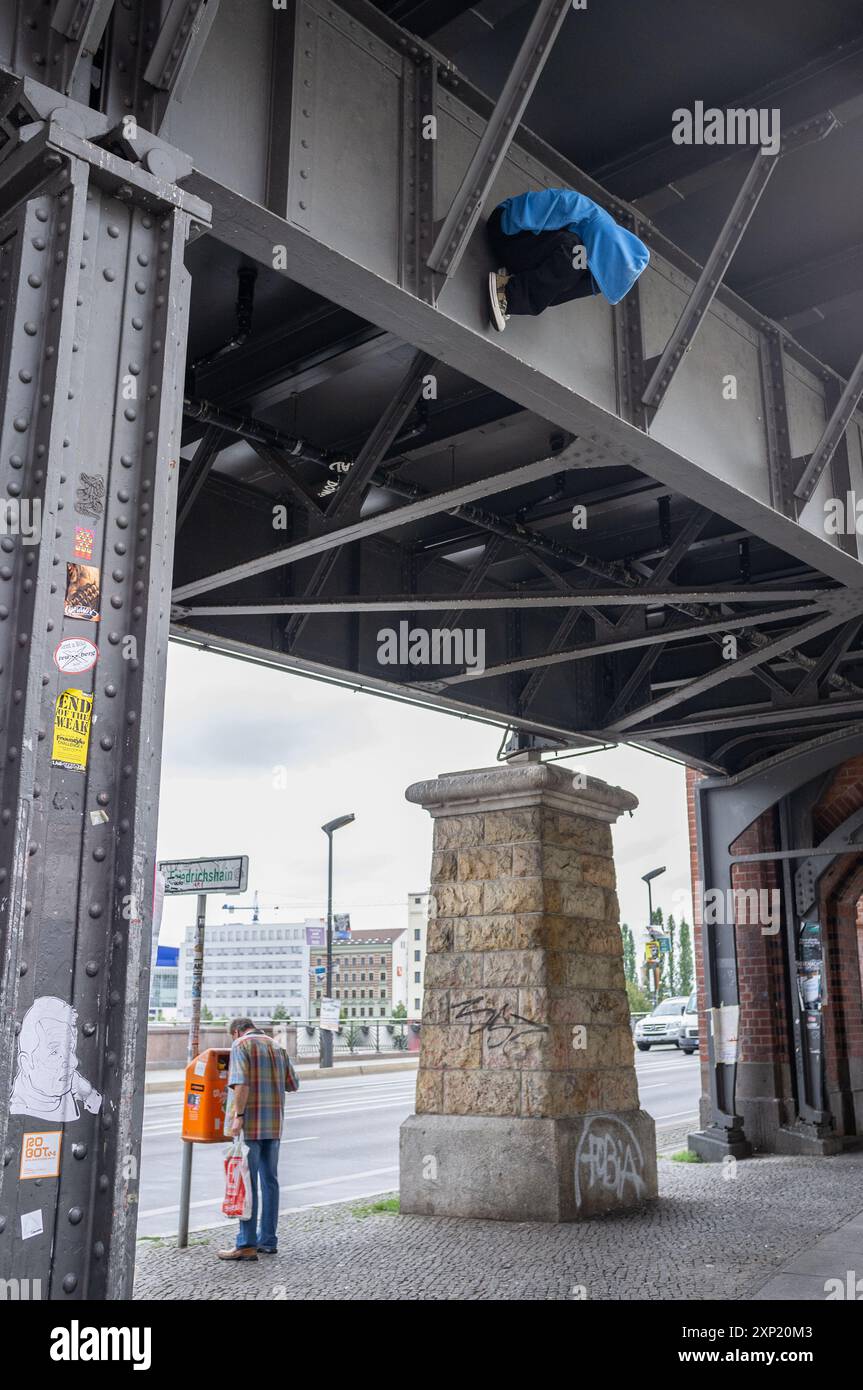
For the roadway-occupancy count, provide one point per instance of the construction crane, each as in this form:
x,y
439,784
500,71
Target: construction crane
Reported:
x,y
240,907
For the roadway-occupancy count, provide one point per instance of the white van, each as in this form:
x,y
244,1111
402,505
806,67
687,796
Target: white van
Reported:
x,y
687,1039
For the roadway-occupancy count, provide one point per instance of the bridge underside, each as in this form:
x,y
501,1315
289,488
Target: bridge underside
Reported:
x,y
602,624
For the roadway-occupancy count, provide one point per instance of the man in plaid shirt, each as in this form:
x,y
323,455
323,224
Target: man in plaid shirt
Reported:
x,y
257,1081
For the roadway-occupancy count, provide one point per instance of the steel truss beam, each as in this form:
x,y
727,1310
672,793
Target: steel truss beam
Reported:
x,y
650,639
349,496
96,296
665,195
717,263
471,195
834,431
327,259
569,598
774,647
176,52
213,442
750,716
573,457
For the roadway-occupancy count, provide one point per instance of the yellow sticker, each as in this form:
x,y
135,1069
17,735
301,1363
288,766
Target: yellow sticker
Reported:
x,y
72,729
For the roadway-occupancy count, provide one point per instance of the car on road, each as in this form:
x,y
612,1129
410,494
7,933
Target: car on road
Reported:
x,y
687,1039
662,1027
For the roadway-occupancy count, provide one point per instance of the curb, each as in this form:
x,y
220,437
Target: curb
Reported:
x,y
152,1088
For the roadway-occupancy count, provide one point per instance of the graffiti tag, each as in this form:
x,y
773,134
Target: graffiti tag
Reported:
x,y
608,1158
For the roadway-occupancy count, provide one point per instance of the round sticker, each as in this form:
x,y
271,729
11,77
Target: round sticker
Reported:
x,y
76,654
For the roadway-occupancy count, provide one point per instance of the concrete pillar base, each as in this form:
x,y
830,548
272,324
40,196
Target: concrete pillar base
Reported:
x,y
508,1168
805,1139
714,1144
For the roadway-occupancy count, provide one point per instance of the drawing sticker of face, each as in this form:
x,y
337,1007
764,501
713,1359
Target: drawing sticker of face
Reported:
x,y
47,1082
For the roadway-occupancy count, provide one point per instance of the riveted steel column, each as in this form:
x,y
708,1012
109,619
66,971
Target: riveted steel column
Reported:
x,y
629,348
779,456
93,349
419,134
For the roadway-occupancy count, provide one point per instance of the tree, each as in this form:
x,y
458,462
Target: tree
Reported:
x,y
279,1013
400,1011
206,1016
629,964
686,972
638,1000
673,981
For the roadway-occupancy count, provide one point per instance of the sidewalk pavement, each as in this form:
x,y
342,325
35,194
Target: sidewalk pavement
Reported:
x,y
159,1079
779,1228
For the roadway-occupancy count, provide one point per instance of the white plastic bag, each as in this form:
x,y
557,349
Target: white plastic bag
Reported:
x,y
238,1182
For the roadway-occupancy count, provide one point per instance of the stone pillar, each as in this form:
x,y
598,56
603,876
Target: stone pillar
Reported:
x,y
527,1102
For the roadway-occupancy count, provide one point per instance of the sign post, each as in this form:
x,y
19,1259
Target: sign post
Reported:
x,y
200,876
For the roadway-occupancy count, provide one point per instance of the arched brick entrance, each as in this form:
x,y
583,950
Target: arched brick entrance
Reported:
x,y
767,1091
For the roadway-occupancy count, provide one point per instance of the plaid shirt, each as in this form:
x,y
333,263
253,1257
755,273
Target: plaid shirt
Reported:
x,y
260,1064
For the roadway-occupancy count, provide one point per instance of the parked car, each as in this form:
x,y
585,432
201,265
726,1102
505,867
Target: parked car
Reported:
x,y
662,1026
688,1038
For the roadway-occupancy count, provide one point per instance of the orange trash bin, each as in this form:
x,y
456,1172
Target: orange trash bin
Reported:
x,y
205,1096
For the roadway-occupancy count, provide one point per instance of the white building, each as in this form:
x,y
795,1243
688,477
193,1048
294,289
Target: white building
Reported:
x,y
249,969
415,937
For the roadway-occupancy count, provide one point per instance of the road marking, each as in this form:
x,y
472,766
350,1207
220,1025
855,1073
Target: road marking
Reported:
x,y
291,1187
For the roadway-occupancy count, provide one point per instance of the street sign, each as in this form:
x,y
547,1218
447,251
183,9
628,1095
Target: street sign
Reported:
x,y
229,875
329,1020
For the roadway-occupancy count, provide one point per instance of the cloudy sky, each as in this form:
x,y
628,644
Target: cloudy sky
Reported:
x,y
256,760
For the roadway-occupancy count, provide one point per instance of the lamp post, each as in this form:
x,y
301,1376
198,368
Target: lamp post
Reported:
x,y
329,830
648,879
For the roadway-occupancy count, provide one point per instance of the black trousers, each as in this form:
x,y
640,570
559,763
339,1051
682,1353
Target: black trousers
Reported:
x,y
540,264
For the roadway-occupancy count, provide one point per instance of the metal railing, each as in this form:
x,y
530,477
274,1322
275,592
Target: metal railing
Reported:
x,y
358,1036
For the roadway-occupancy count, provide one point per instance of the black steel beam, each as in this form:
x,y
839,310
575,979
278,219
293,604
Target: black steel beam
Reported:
x,y
500,130
833,432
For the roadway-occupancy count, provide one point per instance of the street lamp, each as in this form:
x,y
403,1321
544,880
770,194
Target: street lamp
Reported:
x,y
648,879
329,830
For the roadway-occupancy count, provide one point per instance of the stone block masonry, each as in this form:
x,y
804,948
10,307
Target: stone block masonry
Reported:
x,y
527,1103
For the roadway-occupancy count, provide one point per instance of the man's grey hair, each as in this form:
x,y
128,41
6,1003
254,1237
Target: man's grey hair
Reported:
x,y
240,1025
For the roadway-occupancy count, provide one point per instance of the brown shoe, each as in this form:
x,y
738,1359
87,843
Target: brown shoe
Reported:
x,y
244,1252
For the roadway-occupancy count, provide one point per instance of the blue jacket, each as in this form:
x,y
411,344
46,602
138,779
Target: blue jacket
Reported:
x,y
615,256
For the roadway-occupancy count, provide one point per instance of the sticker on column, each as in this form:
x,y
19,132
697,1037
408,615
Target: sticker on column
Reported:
x,y
40,1154
83,592
48,1084
72,716
90,494
84,541
31,1224
725,1025
75,655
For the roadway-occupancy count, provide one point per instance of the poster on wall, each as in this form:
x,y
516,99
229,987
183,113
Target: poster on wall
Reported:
x,y
72,716
83,591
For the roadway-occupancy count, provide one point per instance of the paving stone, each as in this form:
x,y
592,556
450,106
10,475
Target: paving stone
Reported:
x,y
706,1238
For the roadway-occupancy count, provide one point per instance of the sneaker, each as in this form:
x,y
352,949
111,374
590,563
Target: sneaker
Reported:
x,y
243,1252
267,1250
497,299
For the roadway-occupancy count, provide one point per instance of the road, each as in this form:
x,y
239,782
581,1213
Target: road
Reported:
x,y
341,1140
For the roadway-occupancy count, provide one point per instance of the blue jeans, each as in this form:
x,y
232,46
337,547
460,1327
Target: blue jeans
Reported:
x,y
263,1169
